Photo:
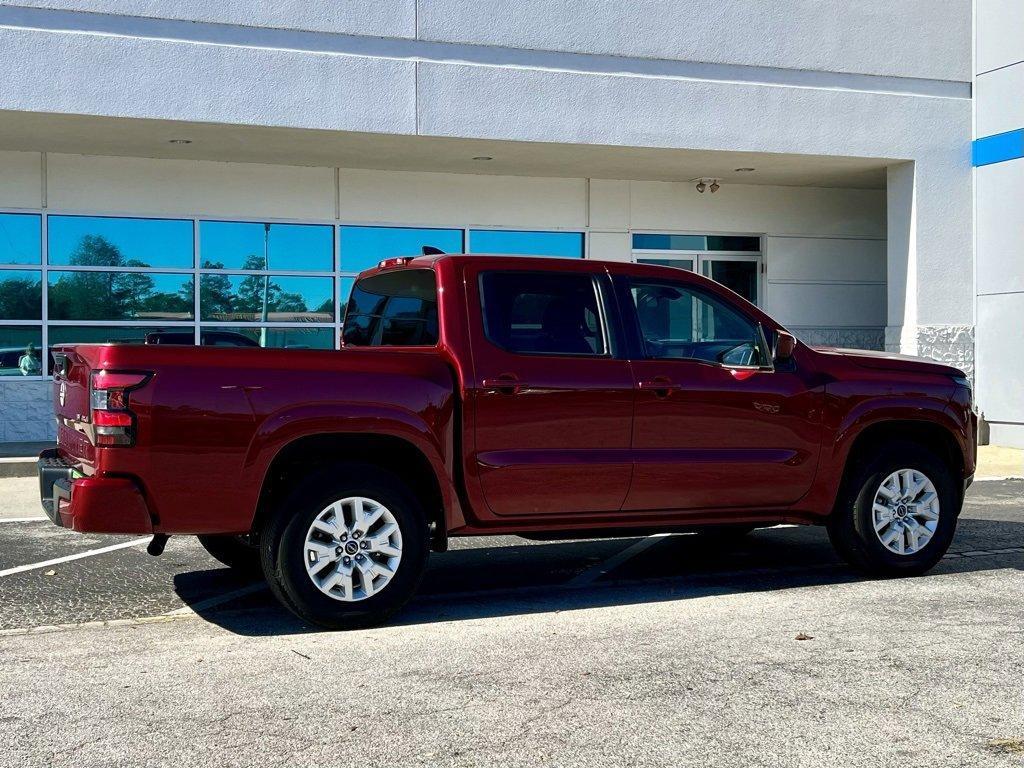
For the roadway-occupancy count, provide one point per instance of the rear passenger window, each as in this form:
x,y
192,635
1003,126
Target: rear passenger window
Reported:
x,y
542,313
393,309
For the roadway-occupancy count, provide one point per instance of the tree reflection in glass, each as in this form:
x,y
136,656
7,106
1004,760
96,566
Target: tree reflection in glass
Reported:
x,y
113,295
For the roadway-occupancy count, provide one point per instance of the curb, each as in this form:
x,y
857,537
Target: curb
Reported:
x,y
21,466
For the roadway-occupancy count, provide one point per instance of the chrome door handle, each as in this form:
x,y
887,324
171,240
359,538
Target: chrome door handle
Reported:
x,y
507,385
660,386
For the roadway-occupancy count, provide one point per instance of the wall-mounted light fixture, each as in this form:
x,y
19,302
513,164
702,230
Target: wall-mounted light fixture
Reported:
x,y
707,183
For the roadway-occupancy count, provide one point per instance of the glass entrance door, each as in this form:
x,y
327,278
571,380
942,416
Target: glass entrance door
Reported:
x,y
732,260
739,275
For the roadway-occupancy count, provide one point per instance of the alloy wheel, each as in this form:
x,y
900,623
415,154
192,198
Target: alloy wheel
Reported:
x,y
353,549
905,511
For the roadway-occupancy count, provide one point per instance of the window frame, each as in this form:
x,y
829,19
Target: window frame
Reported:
x,y
698,257
631,319
600,298
342,278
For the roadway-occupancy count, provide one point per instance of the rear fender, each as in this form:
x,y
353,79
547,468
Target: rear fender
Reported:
x,y
309,420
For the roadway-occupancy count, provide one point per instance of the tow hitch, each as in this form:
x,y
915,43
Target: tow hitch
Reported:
x,y
156,546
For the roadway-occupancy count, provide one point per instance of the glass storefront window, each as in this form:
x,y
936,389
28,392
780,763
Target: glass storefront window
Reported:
x,y
94,295
365,247
344,291
21,350
270,336
105,241
21,294
20,238
262,298
252,245
508,241
645,241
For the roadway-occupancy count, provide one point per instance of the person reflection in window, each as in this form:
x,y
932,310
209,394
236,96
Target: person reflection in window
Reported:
x,y
28,363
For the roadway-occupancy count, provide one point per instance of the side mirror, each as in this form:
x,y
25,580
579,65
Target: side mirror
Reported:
x,y
785,343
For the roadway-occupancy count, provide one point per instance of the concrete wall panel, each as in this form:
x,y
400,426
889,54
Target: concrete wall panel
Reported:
x,y
825,259
1000,227
758,209
999,24
827,305
870,36
384,18
173,80
21,179
450,199
999,99
1000,356
186,187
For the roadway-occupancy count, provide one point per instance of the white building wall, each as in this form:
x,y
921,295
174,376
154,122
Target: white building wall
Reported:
x,y
800,77
999,190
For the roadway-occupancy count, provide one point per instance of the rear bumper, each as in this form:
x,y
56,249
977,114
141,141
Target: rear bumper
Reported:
x,y
90,504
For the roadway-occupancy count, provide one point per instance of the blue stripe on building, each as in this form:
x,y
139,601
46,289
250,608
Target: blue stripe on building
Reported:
x,y
998,148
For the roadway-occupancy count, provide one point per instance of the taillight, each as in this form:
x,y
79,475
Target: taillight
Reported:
x,y
108,400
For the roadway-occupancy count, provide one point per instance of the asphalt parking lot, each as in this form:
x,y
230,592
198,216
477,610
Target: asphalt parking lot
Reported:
x,y
656,651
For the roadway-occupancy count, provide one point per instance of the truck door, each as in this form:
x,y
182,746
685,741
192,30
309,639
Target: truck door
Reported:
x,y
716,424
553,405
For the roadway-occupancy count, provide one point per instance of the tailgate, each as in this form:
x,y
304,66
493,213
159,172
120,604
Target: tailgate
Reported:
x,y
71,374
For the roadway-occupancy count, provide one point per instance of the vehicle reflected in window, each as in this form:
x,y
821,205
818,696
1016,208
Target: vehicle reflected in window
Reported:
x,y
99,334
270,336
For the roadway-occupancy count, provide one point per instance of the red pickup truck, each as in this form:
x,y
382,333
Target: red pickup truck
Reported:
x,y
481,395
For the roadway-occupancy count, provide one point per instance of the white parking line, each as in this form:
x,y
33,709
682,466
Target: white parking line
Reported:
x,y
595,572
76,556
39,519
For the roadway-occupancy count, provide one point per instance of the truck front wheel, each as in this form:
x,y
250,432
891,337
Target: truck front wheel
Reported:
x,y
899,512
347,547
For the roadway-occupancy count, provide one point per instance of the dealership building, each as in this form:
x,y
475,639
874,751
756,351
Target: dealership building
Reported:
x,y
219,172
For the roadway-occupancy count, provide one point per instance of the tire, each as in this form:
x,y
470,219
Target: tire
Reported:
x,y
332,591
851,527
234,552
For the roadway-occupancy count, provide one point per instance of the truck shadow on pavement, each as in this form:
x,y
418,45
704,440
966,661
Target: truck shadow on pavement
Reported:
x,y
479,580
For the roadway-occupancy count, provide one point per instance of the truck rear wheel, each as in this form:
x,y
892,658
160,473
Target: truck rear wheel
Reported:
x,y
347,547
899,513
234,551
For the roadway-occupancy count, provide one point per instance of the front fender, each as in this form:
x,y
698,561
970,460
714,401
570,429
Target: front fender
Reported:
x,y
847,422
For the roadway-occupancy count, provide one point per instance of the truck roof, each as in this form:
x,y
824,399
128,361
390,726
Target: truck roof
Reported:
x,y
413,262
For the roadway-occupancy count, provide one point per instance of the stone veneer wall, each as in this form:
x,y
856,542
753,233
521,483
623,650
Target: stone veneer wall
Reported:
x,y
848,338
26,411
952,344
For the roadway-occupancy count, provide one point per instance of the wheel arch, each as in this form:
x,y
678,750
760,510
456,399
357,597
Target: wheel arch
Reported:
x,y
396,454
928,433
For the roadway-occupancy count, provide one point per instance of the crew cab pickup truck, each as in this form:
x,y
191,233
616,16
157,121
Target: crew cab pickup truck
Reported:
x,y
478,395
